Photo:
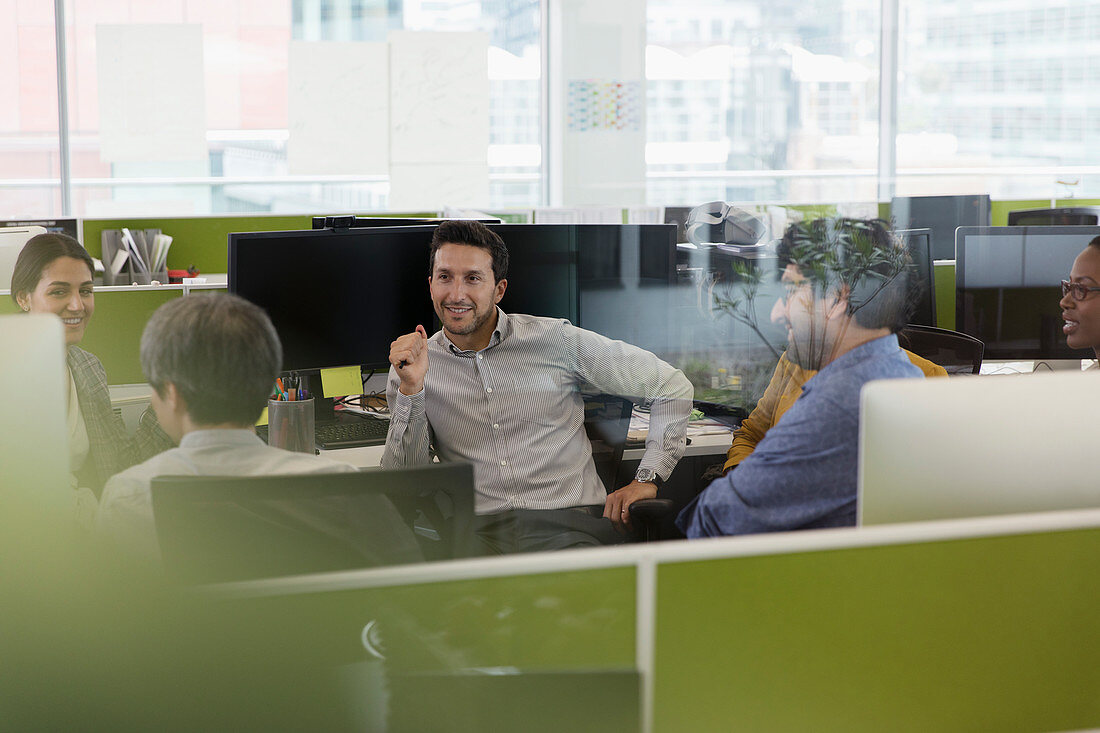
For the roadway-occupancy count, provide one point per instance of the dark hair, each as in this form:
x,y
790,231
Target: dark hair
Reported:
x,y
37,254
474,234
861,254
220,351
1095,242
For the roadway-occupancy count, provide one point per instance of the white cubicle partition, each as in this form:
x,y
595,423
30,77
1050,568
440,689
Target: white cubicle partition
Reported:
x,y
32,417
946,448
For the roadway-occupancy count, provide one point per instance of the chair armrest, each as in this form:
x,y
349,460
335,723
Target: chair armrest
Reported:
x,y
650,510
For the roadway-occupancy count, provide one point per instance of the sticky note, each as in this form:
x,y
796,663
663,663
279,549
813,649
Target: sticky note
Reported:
x,y
263,418
341,381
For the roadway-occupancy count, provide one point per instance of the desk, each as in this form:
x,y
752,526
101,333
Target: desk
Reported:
x,y
703,445
683,485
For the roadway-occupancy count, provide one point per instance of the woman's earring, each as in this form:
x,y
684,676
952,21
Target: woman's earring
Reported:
x,y
26,307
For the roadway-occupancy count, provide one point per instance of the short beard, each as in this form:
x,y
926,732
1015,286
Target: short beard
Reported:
x,y
477,322
812,348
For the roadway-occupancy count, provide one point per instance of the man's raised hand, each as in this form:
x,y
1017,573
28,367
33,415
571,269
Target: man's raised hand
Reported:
x,y
409,356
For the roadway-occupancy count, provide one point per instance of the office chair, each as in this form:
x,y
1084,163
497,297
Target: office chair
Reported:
x,y
229,528
1073,216
607,421
956,352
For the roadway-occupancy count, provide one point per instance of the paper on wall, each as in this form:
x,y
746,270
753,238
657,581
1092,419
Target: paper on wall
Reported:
x,y
151,92
439,86
339,108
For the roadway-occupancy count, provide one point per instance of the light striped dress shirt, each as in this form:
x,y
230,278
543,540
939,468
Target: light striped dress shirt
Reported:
x,y
514,410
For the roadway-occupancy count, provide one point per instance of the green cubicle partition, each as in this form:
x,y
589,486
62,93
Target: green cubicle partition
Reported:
x,y
199,241
114,332
945,295
990,633
978,624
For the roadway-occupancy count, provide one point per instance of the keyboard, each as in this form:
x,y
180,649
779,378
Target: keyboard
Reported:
x,y
350,434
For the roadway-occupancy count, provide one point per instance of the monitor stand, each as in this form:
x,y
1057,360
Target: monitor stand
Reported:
x,y
325,413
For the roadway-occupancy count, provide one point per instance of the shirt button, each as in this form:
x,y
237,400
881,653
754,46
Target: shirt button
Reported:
x,y
504,463
496,427
479,356
488,389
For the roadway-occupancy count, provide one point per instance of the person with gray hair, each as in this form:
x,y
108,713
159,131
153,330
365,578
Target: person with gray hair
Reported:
x,y
212,360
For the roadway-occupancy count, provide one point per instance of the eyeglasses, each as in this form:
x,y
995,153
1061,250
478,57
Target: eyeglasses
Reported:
x,y
1080,290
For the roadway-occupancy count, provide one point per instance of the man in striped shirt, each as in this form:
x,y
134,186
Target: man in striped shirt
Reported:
x,y
502,391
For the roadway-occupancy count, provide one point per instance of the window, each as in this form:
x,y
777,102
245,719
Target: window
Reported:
x,y
244,50
773,95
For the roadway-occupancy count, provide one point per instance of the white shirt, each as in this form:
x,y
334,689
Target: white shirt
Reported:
x,y
514,410
126,506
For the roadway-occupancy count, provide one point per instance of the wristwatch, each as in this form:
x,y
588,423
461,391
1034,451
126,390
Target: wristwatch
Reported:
x,y
647,476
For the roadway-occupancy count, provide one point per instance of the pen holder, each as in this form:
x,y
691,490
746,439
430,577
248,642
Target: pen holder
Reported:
x,y
290,425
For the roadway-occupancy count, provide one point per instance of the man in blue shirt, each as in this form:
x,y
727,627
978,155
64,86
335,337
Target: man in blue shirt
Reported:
x,y
846,282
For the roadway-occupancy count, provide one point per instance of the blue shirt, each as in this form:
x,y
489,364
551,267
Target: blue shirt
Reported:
x,y
803,473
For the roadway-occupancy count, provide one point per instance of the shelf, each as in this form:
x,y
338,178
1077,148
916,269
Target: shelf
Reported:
x,y
215,281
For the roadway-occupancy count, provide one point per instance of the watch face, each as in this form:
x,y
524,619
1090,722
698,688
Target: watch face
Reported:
x,y
644,475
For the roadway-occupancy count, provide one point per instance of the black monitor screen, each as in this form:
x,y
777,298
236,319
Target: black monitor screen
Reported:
x,y
627,273
337,298
943,215
1007,288
922,278
542,269
1080,216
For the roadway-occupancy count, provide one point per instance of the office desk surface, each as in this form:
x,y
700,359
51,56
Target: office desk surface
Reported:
x,y
702,445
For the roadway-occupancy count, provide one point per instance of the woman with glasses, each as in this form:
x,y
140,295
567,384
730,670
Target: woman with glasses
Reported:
x,y
1081,300
53,274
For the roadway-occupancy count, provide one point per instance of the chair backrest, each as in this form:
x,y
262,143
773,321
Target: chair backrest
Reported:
x,y
956,352
1074,216
227,528
607,421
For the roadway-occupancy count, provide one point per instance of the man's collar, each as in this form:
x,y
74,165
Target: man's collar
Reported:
x,y
881,345
220,436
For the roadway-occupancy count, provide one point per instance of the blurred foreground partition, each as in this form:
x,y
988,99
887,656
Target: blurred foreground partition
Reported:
x,y
968,624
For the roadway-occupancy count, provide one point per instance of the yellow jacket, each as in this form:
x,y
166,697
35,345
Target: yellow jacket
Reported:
x,y
783,389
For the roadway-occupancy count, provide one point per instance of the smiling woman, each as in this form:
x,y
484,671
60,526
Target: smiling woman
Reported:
x,y
1080,301
53,274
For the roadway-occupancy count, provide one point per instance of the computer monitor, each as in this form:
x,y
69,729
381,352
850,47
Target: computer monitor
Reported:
x,y
353,290
71,227
943,215
542,270
678,215
1007,288
626,276
1074,216
12,240
947,448
922,282
337,297
349,220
